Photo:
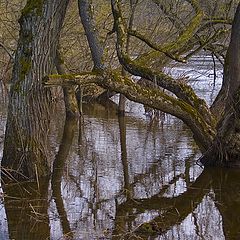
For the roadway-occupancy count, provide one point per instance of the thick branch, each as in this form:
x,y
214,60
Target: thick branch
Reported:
x,y
152,97
71,79
179,45
186,35
180,89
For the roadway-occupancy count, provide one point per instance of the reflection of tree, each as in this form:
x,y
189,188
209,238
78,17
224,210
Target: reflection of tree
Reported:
x,y
123,140
226,187
172,211
26,206
152,173
58,166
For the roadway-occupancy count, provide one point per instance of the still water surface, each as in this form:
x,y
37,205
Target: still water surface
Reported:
x,y
125,178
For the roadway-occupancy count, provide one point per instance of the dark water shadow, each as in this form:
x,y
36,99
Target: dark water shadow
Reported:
x,y
226,186
26,204
26,207
123,143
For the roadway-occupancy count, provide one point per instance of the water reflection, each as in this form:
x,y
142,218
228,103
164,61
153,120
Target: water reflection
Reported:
x,y
58,167
26,207
125,178
123,143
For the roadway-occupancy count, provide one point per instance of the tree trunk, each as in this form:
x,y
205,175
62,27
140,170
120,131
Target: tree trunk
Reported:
x,y
69,92
218,140
26,146
225,150
96,48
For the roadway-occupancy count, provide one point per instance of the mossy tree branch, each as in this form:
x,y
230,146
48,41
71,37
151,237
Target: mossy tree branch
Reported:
x,y
179,100
179,45
188,38
180,89
152,97
155,46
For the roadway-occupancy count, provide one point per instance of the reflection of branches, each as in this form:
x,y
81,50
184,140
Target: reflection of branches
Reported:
x,y
227,188
122,129
173,210
58,166
153,170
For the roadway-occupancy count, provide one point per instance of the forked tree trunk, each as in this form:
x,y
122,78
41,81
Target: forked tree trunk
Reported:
x,y
26,142
225,150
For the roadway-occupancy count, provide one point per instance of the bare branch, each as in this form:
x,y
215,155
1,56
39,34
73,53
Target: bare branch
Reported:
x,y
180,89
6,49
155,46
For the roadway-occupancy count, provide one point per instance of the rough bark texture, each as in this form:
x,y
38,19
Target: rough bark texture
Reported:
x,y
26,146
69,92
225,150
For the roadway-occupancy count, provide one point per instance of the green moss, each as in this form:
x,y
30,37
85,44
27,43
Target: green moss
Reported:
x,y
17,87
186,35
33,6
63,76
25,66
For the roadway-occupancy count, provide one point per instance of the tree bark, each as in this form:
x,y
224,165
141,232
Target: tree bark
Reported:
x,y
69,92
225,150
96,48
26,143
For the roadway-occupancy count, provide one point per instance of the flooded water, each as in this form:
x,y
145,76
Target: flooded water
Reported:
x,y
125,178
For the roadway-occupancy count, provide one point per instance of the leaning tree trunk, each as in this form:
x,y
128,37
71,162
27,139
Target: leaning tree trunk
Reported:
x,y
26,146
225,150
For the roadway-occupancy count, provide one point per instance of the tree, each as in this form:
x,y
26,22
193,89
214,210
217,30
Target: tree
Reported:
x,y
214,128
26,143
225,149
